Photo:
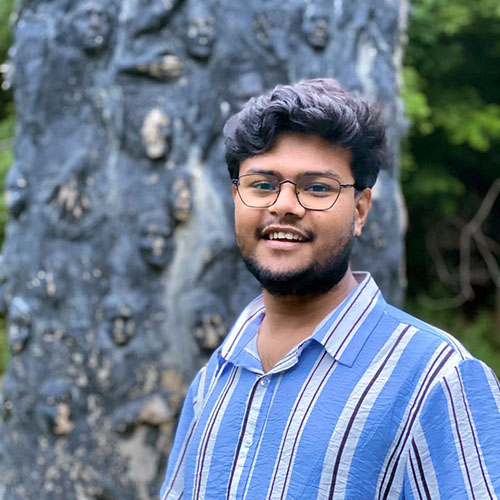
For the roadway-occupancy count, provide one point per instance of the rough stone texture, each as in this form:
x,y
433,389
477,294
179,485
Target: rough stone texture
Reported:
x,y
119,273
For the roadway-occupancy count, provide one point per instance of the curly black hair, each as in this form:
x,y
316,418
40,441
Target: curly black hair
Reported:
x,y
319,107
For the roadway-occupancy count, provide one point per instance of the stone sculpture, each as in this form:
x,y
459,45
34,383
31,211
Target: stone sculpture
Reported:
x,y
16,192
19,325
119,274
91,26
201,32
56,406
315,24
156,243
156,134
119,320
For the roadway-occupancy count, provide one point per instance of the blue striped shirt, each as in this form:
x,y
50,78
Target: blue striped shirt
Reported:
x,y
375,404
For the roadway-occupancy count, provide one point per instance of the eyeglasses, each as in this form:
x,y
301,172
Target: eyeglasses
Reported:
x,y
314,192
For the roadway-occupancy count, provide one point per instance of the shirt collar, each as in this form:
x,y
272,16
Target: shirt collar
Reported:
x,y
342,333
345,330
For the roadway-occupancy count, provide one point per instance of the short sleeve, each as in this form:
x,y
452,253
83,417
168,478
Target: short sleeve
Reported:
x,y
174,479
455,448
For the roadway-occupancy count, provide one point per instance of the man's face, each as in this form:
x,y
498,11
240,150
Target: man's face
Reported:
x,y
319,259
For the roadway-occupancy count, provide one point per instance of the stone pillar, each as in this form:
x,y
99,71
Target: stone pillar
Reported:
x,y
119,273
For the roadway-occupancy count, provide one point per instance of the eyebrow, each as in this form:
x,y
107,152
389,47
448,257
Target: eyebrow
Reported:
x,y
322,173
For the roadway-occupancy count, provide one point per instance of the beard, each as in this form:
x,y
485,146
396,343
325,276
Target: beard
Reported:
x,y
314,280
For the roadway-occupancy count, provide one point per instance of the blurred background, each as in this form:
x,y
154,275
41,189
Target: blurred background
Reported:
x,y
450,167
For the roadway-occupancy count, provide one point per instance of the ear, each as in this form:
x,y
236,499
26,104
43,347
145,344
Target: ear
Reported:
x,y
234,190
363,202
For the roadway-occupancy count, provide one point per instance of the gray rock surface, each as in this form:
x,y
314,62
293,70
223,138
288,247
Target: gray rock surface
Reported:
x,y
119,273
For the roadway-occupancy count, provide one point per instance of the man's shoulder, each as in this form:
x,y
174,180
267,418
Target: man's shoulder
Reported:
x,y
427,336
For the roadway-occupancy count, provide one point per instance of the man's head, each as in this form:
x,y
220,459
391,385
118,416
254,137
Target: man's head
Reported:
x,y
315,107
305,157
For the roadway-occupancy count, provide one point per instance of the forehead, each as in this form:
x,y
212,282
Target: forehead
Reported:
x,y
297,154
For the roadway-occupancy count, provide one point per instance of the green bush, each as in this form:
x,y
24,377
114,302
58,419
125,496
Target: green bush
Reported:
x,y
450,159
6,150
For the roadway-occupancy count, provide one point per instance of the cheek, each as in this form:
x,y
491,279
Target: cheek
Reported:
x,y
246,221
330,227
243,220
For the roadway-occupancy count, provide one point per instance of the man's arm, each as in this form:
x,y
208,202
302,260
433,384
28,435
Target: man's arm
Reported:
x,y
455,448
173,486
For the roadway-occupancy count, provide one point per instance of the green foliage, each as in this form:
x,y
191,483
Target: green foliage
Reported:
x,y
6,150
6,159
452,154
467,119
453,102
5,35
6,7
417,107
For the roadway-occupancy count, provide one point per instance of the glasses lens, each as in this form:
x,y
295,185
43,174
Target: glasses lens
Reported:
x,y
318,193
258,190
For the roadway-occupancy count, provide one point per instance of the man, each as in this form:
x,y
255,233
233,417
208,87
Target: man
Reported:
x,y
322,390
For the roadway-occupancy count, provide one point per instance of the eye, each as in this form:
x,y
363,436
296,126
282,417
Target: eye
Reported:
x,y
259,184
263,186
318,188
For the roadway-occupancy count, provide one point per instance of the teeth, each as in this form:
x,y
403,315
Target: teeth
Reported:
x,y
285,236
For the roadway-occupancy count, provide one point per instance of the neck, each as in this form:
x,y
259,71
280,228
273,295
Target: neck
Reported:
x,y
300,315
289,320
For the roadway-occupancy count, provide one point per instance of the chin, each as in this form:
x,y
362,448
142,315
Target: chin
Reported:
x,y
310,281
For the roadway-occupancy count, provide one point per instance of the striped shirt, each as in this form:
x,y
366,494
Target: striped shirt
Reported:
x,y
375,404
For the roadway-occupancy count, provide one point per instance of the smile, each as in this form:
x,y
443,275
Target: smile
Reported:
x,y
285,236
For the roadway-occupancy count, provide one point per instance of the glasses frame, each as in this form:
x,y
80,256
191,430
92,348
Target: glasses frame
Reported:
x,y
236,183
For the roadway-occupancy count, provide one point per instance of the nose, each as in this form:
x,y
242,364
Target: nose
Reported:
x,y
287,202
95,20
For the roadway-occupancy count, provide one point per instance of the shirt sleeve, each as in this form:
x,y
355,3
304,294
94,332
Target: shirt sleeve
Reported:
x,y
455,448
173,485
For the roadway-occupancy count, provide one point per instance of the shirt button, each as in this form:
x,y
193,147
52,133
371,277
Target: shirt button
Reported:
x,y
248,442
264,381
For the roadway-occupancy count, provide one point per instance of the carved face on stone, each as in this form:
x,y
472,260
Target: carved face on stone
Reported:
x,y
315,26
91,25
120,322
17,193
76,203
156,243
209,330
72,200
19,324
156,134
49,283
272,32
181,199
54,408
201,35
246,85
